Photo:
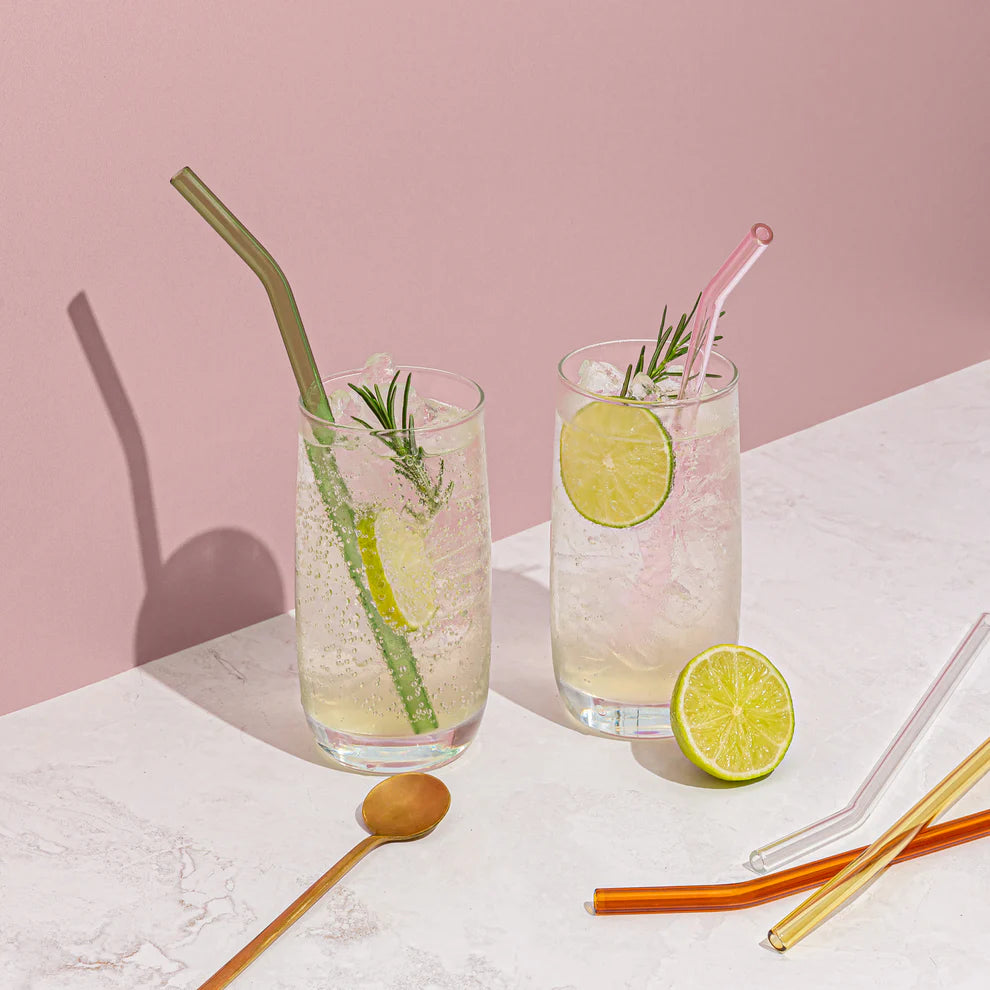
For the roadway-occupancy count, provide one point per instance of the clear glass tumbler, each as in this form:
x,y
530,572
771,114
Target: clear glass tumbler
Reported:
x,y
393,584
645,541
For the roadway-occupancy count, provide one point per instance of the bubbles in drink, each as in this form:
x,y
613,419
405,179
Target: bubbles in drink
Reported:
x,y
630,606
406,545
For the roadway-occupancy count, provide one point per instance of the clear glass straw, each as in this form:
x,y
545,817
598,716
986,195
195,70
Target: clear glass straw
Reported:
x,y
870,864
756,241
761,890
791,847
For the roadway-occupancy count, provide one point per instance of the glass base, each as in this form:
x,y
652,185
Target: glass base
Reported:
x,y
622,719
403,754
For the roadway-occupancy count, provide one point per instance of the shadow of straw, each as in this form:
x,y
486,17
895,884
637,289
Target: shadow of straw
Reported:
x,y
215,582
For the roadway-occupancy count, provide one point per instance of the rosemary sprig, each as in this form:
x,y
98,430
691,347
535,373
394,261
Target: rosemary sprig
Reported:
x,y
672,344
409,457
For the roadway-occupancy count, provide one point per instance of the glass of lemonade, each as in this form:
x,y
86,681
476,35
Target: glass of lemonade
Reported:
x,y
645,535
393,585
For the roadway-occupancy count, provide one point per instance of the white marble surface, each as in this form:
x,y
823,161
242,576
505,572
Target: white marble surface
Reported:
x,y
151,823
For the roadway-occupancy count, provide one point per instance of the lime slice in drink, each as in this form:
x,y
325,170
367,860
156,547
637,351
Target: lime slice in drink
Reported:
x,y
616,463
731,713
400,574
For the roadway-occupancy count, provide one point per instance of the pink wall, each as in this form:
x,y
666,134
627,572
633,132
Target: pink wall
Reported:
x,y
479,186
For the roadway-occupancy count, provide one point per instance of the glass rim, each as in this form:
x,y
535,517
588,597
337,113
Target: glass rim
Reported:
x,y
468,414
717,393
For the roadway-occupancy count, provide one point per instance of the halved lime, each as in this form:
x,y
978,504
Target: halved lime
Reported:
x,y
731,713
400,575
616,463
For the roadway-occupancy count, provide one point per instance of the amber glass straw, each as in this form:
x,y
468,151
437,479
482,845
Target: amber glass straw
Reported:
x,y
874,860
749,893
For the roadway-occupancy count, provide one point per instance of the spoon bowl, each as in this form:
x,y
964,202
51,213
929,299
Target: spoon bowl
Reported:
x,y
407,806
400,808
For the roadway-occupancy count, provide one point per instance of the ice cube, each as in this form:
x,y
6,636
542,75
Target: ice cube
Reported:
x,y
436,413
643,388
341,404
426,413
670,384
378,370
600,377
431,416
681,606
345,403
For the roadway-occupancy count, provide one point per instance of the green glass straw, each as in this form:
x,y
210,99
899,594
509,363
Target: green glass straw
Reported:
x,y
398,656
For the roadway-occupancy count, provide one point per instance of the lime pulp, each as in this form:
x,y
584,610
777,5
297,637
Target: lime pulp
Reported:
x,y
731,713
616,463
398,567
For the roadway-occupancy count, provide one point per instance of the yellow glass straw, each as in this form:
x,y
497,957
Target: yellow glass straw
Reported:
x,y
875,859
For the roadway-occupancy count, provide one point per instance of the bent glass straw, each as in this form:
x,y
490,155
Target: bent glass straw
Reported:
x,y
756,241
870,864
252,252
791,847
749,893
333,490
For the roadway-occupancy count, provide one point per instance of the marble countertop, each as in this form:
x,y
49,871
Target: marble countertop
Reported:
x,y
150,824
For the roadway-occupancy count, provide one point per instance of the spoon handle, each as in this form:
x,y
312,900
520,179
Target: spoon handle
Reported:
x,y
236,965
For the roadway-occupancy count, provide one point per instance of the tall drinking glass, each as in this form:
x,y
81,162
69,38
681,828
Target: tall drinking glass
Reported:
x,y
393,586
645,539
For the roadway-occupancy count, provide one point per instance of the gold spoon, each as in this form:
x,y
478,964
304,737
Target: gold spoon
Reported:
x,y
407,806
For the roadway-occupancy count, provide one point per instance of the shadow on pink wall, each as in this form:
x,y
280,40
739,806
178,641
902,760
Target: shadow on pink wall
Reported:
x,y
217,581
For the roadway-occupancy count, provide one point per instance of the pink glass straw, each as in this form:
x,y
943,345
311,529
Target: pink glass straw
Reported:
x,y
756,241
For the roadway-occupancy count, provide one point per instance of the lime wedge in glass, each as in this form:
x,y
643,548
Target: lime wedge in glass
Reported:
x,y
616,463
400,575
731,713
